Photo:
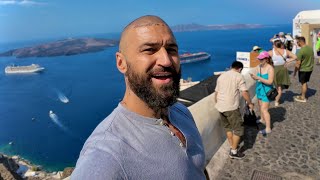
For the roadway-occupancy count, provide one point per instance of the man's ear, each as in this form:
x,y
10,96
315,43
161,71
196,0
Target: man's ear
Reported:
x,y
121,62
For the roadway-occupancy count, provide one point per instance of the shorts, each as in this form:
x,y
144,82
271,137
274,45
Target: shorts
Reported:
x,y
304,76
232,121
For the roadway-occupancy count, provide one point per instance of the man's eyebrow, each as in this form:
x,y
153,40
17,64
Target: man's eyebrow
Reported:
x,y
174,45
153,44
150,44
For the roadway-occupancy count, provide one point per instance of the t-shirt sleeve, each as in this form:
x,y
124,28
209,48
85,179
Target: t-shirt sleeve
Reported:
x,y
242,84
98,165
299,56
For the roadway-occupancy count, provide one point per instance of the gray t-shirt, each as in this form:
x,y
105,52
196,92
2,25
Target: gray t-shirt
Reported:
x,y
129,146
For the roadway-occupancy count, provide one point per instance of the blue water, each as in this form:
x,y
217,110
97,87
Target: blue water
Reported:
x,y
94,87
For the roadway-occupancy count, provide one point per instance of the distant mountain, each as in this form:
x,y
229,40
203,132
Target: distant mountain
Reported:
x,y
198,27
66,47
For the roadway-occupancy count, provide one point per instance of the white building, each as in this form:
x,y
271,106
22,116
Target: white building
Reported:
x,y
307,24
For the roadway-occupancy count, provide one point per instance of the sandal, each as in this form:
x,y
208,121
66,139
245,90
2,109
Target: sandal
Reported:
x,y
265,132
260,121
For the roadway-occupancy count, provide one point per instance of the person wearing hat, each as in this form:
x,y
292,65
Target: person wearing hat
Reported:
x,y
257,49
281,37
264,75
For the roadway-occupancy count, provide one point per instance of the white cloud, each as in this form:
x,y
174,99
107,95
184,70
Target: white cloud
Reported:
x,y
20,2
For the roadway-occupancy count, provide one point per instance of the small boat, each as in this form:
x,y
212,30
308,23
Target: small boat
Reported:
x,y
51,113
10,143
193,57
33,68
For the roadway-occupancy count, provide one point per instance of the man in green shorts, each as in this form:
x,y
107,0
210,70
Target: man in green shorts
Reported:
x,y
304,64
227,97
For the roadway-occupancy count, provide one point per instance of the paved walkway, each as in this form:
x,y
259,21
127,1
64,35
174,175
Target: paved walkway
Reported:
x,y
291,151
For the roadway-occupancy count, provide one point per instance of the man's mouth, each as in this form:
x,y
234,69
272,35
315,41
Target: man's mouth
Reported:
x,y
162,77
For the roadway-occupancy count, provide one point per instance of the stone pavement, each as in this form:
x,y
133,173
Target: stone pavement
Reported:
x,y
291,151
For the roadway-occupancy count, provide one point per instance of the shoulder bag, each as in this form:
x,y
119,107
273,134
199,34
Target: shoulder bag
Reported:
x,y
272,93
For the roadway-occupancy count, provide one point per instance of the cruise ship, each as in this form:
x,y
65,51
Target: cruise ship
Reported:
x,y
33,68
193,57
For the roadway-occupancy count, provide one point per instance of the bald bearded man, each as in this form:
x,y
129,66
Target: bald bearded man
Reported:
x,y
149,135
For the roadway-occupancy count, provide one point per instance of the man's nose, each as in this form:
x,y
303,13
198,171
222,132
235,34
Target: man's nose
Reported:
x,y
164,59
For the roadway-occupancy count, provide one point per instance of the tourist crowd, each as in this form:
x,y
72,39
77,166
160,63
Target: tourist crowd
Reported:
x,y
271,76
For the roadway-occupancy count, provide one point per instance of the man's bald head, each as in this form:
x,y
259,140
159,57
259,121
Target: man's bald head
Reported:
x,y
143,21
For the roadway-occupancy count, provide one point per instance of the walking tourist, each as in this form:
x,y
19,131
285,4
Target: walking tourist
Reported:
x,y
227,97
281,58
264,75
304,66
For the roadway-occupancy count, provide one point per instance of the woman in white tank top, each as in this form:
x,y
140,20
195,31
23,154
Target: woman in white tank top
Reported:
x,y
281,58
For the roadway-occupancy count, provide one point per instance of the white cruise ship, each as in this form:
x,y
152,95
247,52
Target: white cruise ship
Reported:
x,y
33,68
193,57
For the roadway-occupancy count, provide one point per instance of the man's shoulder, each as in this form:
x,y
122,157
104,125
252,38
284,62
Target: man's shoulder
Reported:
x,y
111,120
179,107
226,74
180,113
306,48
106,130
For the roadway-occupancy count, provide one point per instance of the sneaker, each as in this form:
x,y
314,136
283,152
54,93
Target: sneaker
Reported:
x,y
299,99
239,155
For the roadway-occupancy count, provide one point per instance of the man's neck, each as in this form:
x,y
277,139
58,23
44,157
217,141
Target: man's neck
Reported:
x,y
133,103
235,70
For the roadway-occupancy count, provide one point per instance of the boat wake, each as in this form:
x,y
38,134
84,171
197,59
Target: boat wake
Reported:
x,y
62,97
55,119
59,95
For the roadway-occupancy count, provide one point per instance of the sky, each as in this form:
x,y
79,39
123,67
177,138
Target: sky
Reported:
x,y
22,20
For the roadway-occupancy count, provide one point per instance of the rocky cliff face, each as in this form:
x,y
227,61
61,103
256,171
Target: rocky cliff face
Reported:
x,y
8,168
10,165
66,47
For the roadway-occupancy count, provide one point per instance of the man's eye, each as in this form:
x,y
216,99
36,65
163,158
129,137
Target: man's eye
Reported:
x,y
149,50
172,50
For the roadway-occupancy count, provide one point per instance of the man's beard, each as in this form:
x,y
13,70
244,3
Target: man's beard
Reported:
x,y
157,98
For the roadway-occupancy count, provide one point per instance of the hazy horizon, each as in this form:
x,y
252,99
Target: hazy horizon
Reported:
x,y
37,19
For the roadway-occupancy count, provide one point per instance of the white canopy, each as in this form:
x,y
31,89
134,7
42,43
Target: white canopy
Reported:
x,y
308,15
305,17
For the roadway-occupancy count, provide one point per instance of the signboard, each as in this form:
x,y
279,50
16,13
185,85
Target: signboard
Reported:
x,y
244,57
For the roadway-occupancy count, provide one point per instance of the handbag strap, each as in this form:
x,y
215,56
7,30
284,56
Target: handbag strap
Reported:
x,y
263,83
281,55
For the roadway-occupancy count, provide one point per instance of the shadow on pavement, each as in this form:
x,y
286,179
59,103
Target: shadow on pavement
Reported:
x,y
249,137
250,132
288,95
277,114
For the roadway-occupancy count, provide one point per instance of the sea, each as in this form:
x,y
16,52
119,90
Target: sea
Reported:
x,y
94,87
